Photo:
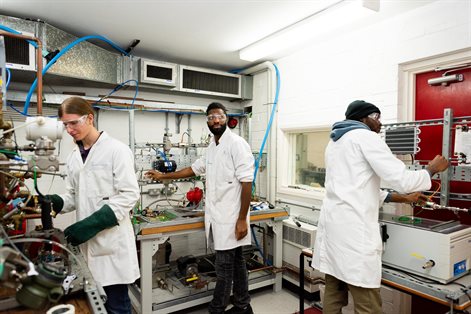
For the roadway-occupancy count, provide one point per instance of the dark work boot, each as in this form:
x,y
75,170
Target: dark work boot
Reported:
x,y
238,310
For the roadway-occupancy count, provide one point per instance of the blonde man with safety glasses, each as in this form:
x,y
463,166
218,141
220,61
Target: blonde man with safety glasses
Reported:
x,y
102,188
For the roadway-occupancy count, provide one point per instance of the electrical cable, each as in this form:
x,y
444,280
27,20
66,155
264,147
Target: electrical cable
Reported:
x,y
464,289
275,103
117,88
435,192
162,199
21,113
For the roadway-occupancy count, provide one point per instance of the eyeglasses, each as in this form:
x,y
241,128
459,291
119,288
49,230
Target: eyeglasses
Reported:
x,y
74,123
375,115
212,117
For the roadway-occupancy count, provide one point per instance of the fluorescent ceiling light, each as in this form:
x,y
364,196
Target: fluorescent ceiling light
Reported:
x,y
332,17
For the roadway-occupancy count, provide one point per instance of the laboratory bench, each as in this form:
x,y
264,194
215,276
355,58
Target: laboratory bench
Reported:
x,y
456,294
147,297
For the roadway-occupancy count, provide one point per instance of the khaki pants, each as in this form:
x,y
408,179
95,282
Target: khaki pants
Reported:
x,y
365,300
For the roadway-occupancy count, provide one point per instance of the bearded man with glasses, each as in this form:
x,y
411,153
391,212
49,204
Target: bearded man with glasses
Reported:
x,y
229,167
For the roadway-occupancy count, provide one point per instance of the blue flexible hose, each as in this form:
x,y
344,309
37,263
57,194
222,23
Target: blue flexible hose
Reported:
x,y
273,110
8,78
11,30
62,52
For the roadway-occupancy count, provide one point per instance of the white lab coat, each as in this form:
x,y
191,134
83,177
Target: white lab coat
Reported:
x,y
226,165
348,243
106,177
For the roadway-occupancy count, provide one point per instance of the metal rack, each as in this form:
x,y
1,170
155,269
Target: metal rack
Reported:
x,y
453,173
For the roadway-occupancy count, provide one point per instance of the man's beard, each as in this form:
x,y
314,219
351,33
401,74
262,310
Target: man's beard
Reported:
x,y
218,131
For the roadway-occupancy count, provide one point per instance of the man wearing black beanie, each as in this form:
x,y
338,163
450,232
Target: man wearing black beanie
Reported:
x,y
360,109
348,242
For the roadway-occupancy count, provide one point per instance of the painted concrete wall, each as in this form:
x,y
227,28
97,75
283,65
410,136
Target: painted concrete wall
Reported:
x,y
320,80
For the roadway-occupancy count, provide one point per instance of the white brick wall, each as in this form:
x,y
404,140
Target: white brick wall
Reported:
x,y
319,81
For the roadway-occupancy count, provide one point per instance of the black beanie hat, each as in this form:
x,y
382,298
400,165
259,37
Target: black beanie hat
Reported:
x,y
360,109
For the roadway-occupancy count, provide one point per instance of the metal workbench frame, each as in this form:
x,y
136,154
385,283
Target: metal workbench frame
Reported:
x,y
152,234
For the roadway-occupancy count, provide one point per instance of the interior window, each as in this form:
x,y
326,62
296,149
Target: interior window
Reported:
x,y
309,165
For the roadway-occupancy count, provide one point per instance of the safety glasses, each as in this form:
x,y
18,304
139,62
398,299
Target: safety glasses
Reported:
x,y
375,115
212,117
74,123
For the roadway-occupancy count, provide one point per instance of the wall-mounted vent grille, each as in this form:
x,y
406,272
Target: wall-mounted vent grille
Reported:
x,y
403,141
158,72
297,236
19,54
209,82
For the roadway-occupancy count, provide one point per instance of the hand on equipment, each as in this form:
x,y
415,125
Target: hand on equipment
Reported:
x,y
154,174
56,201
417,198
438,164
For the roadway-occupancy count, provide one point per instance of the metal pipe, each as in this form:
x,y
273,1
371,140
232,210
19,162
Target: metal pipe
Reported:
x,y
166,123
445,176
188,130
297,204
260,269
39,63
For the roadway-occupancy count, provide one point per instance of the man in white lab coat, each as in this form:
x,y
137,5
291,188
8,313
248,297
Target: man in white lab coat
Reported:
x,y
229,167
101,186
348,243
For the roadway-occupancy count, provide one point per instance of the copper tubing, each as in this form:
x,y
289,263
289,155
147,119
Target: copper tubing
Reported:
x,y
39,62
27,216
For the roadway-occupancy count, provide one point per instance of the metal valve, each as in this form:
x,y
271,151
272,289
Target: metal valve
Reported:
x,y
428,264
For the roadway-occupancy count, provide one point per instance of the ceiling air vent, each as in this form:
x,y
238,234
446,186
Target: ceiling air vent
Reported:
x,y
158,72
213,82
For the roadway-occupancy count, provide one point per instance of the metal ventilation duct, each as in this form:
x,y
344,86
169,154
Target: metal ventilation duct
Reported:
x,y
84,61
87,64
